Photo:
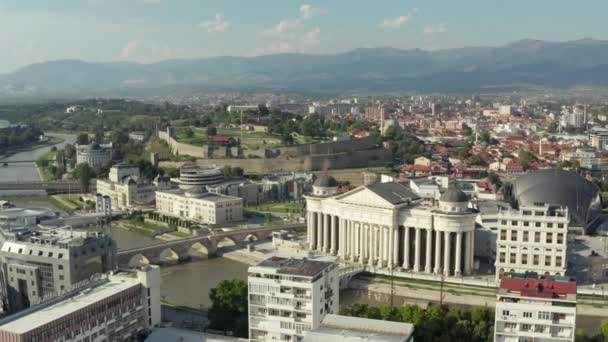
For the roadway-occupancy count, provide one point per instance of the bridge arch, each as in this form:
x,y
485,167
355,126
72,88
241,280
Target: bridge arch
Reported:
x,y
168,256
228,239
251,237
139,260
201,250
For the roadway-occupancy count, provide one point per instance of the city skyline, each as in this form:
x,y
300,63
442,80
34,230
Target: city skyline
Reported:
x,y
153,30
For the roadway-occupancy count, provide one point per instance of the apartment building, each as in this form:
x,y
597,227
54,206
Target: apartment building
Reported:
x,y
117,307
289,297
199,206
39,264
532,239
532,308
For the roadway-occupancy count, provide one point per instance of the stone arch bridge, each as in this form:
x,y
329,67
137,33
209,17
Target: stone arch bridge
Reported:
x,y
198,247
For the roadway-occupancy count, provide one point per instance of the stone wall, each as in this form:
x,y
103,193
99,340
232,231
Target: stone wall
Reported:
x,y
329,147
365,158
182,149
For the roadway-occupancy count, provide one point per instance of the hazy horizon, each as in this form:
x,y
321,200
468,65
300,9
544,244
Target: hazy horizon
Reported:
x,y
153,30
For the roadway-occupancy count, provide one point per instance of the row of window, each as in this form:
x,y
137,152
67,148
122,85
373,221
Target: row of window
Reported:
x,y
525,260
515,223
524,236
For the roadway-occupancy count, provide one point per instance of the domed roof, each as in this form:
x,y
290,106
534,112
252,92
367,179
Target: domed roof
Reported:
x,y
453,195
325,181
558,187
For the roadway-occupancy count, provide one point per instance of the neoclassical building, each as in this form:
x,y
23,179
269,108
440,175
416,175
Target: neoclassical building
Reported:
x,y
386,225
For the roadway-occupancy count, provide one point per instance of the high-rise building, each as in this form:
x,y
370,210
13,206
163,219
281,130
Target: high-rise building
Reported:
x,y
532,308
117,307
289,297
39,264
386,225
532,239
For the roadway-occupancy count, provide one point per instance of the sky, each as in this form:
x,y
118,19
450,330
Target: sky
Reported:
x,y
146,31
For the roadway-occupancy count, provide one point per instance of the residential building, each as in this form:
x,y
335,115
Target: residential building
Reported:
x,y
289,297
96,155
344,329
116,307
199,206
127,188
42,263
532,238
532,308
385,225
598,138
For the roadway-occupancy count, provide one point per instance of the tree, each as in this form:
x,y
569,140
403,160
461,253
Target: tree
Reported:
x,y
84,174
604,330
552,127
82,139
211,131
494,179
525,158
467,131
229,308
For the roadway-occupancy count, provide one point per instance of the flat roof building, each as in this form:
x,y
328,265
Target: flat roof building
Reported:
x,y
117,307
354,329
199,206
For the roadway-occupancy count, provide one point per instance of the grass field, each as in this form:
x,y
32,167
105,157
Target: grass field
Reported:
x,y
145,228
66,203
280,207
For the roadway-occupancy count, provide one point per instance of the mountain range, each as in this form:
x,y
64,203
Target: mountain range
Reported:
x,y
520,65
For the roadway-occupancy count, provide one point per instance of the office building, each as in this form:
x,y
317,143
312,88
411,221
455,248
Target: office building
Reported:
x,y
42,263
118,307
345,329
385,225
127,188
199,206
194,177
532,239
289,297
529,308
96,155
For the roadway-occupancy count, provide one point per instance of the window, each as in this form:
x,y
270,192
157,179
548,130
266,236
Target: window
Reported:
x,y
560,225
536,260
524,259
547,260
505,312
560,238
510,326
525,239
513,258
526,224
60,267
526,327
502,257
537,225
544,315
513,235
549,225
539,328
537,237
503,222
527,314
549,238
503,235
514,223
558,261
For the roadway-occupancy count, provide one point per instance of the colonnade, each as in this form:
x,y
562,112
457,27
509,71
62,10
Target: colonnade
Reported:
x,y
428,250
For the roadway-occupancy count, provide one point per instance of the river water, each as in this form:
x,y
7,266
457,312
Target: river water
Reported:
x,y
188,284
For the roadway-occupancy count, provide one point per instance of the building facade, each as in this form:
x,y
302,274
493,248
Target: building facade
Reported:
x,y
192,177
535,309
289,297
532,239
96,155
386,225
345,328
118,307
127,188
42,264
201,207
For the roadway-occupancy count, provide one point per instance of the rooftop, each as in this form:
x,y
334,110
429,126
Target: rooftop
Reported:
x,y
552,288
44,314
292,266
354,329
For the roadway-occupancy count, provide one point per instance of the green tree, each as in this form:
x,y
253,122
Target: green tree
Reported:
x,y
604,330
211,131
83,173
82,139
525,158
229,308
552,128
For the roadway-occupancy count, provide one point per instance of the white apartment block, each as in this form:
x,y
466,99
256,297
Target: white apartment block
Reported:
x,y
535,309
532,239
117,307
289,297
201,207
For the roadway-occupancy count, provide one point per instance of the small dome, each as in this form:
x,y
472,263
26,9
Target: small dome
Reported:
x,y
325,181
454,195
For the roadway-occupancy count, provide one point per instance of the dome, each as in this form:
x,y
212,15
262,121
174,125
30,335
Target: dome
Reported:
x,y
453,195
558,187
325,181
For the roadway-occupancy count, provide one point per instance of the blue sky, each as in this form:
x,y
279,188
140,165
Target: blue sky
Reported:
x,y
152,30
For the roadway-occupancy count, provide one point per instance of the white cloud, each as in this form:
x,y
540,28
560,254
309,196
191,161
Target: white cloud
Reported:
x,y
396,22
129,50
217,25
434,29
309,11
286,25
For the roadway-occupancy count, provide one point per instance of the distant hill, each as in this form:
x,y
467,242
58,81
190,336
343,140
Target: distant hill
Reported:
x,y
517,65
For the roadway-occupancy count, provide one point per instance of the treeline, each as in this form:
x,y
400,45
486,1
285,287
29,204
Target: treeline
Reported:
x,y
18,136
434,323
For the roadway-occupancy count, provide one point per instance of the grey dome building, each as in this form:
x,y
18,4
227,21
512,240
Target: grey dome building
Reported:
x,y
559,187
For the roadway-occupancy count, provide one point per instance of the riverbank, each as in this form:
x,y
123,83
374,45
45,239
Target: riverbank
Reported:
x,y
51,141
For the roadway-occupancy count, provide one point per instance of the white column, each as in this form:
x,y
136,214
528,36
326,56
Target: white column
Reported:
x,y
334,235
372,246
362,241
312,230
326,233
417,251
467,253
358,240
446,259
427,260
437,252
406,248
340,247
320,231
395,247
385,246
458,254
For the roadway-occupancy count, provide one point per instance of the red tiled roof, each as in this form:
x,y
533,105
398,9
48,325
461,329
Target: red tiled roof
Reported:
x,y
220,138
540,288
416,168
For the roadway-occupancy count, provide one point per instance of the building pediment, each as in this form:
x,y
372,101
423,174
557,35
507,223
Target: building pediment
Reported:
x,y
365,197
